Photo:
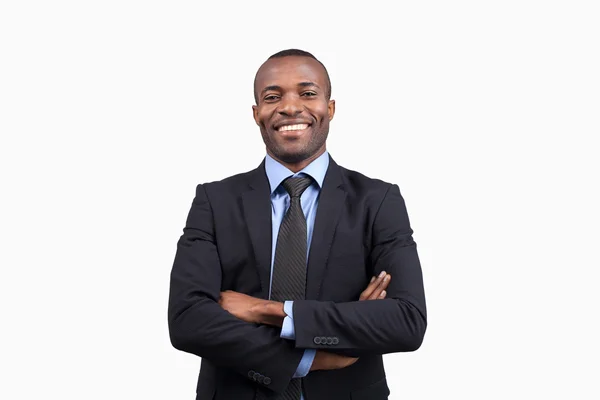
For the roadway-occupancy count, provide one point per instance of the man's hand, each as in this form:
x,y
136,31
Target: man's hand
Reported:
x,y
376,288
326,360
241,305
252,309
374,291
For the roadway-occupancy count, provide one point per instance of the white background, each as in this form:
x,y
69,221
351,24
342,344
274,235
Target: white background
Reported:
x,y
485,113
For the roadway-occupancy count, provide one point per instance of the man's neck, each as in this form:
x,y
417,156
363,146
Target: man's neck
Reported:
x,y
299,166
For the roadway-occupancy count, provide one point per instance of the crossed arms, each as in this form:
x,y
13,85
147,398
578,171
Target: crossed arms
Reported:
x,y
241,333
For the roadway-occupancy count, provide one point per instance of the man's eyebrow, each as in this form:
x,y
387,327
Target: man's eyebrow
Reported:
x,y
306,84
272,87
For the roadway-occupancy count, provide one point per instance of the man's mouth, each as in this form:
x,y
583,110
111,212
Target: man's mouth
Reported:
x,y
295,127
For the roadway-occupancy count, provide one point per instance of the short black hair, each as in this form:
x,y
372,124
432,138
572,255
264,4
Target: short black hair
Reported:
x,y
300,53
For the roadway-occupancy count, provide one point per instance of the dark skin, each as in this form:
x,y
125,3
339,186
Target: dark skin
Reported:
x,y
267,312
293,91
293,113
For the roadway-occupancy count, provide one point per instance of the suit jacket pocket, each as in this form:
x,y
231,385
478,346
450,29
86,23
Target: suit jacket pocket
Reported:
x,y
377,391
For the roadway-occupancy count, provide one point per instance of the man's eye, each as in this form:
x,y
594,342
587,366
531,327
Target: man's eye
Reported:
x,y
309,94
271,97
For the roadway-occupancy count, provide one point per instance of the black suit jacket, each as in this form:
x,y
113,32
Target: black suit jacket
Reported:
x,y
361,228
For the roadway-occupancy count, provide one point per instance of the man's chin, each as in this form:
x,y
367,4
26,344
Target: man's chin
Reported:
x,y
290,156
293,158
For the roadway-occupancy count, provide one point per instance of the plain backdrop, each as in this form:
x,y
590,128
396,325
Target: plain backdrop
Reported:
x,y
485,113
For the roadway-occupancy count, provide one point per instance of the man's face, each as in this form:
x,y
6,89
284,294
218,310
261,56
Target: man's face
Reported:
x,y
293,111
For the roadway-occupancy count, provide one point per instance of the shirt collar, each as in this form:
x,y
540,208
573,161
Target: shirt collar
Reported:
x,y
277,173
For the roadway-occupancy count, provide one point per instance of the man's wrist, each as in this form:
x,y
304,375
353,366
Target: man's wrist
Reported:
x,y
270,313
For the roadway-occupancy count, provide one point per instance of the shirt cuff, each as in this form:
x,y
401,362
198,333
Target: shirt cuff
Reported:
x,y
287,330
305,363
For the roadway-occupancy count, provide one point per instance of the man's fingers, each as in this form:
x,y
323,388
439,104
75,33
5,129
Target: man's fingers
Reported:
x,y
371,287
372,292
380,288
344,361
367,292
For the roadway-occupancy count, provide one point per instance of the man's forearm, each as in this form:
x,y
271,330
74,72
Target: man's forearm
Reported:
x,y
355,324
208,331
272,313
357,328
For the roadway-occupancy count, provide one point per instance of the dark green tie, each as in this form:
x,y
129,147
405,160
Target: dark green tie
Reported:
x,y
289,267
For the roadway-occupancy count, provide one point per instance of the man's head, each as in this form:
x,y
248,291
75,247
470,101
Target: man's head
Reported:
x,y
293,106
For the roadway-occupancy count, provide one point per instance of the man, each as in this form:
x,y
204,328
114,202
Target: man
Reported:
x,y
268,283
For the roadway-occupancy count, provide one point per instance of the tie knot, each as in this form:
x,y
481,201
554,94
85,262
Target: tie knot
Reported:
x,y
296,186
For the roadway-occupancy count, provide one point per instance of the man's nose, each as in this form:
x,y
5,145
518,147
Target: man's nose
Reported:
x,y
290,106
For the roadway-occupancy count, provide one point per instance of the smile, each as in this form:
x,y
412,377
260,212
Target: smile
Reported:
x,y
296,127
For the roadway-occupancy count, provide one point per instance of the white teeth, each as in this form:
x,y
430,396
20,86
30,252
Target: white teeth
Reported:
x,y
297,127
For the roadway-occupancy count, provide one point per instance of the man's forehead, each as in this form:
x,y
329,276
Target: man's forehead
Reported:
x,y
290,70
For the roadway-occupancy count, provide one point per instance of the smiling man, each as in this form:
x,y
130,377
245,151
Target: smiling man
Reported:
x,y
274,273
293,108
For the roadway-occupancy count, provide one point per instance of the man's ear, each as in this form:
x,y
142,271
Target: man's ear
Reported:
x,y
331,109
255,114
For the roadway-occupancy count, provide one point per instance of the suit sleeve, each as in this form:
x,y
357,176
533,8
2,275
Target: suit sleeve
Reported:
x,y
395,324
199,325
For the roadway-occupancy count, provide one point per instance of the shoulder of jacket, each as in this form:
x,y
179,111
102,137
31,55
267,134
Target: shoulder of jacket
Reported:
x,y
231,184
355,178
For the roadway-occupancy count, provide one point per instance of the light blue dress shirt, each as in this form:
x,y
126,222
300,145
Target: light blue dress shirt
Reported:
x,y
280,202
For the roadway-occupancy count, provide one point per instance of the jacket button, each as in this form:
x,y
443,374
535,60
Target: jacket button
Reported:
x,y
261,378
335,340
329,340
256,375
267,380
317,340
323,340
251,374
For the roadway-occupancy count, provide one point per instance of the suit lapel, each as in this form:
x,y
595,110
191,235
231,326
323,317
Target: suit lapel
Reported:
x,y
331,203
257,212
